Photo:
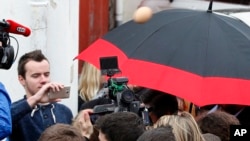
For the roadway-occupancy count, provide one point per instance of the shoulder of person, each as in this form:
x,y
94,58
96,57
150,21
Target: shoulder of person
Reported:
x,y
61,106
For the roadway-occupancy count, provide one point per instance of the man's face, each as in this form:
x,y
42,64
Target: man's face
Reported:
x,y
37,74
102,136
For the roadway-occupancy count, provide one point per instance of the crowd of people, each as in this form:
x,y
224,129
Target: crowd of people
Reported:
x,y
37,117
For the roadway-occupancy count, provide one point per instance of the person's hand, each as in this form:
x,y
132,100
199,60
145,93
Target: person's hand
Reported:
x,y
85,123
42,95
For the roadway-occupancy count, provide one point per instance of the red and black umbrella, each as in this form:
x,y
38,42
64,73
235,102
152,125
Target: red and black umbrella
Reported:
x,y
200,56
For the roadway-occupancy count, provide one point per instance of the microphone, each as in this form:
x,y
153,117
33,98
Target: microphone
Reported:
x,y
17,28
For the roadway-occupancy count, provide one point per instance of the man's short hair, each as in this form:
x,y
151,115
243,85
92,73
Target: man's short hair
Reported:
x,y
120,126
161,103
217,123
61,132
35,55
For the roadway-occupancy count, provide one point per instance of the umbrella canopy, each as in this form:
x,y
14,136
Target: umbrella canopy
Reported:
x,y
200,56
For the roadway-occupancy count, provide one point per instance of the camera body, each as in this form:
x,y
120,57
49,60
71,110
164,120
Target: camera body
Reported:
x,y
6,50
122,95
123,98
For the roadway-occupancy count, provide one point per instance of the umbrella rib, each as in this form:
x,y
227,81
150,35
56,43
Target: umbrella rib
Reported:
x,y
235,27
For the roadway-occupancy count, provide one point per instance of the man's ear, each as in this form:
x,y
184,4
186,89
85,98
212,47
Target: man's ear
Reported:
x,y
21,80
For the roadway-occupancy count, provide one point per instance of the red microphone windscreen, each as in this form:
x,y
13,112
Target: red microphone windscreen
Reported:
x,y
17,28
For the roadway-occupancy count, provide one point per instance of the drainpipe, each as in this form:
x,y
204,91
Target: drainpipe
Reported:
x,y
119,12
39,14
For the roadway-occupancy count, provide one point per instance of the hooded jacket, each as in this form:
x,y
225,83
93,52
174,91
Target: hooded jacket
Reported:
x,y
5,117
28,123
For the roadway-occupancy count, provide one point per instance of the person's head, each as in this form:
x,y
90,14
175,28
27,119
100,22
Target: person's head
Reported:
x,y
61,132
119,126
159,104
217,123
158,134
90,81
33,71
184,126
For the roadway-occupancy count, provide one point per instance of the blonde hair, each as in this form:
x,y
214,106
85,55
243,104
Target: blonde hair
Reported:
x,y
184,126
90,82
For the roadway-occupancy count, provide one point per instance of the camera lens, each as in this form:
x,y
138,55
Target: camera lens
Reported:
x,y
127,96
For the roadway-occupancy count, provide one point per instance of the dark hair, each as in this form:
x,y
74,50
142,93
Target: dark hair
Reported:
x,y
35,55
160,103
146,95
217,123
120,126
158,134
61,132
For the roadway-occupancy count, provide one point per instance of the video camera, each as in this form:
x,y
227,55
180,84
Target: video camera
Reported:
x,y
123,98
6,50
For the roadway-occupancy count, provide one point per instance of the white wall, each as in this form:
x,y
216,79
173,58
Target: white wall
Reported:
x,y
54,25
